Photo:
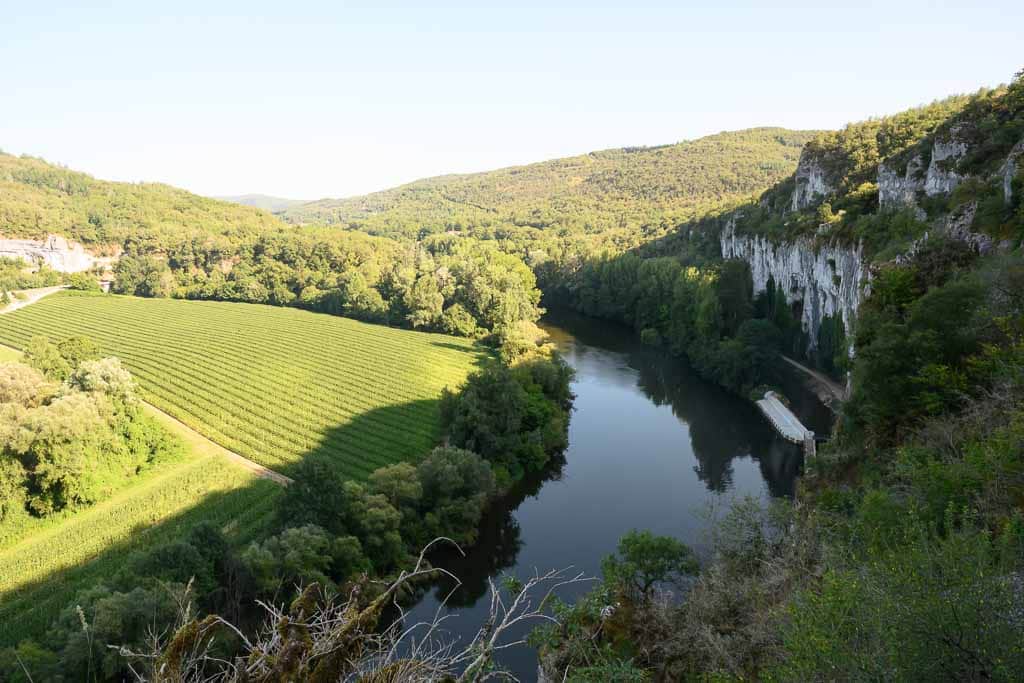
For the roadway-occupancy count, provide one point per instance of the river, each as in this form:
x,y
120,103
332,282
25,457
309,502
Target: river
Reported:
x,y
651,446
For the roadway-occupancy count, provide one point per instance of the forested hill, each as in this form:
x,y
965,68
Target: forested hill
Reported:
x,y
618,188
38,198
263,201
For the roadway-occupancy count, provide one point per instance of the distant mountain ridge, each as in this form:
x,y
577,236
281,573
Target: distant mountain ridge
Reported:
x,y
263,201
619,192
595,191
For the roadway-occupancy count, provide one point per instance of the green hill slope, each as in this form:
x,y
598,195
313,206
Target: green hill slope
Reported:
x,y
593,192
38,198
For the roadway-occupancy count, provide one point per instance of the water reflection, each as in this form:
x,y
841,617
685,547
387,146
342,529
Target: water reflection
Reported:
x,y
651,446
497,547
722,426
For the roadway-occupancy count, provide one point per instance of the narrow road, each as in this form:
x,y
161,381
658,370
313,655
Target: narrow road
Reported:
x,y
31,296
190,436
834,388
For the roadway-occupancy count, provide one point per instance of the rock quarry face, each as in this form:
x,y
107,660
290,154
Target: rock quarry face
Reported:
x,y
1014,162
828,281
941,177
811,182
897,191
55,252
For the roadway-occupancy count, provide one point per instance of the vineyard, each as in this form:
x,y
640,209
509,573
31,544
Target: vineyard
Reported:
x,y
47,563
273,384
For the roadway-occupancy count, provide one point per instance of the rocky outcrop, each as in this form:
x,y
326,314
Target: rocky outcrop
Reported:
x,y
1010,168
826,280
897,191
942,177
811,182
956,226
55,252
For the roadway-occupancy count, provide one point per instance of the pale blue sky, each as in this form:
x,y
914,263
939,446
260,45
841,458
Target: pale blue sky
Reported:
x,y
312,99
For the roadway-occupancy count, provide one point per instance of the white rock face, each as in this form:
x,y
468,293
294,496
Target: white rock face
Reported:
x,y
828,281
941,178
811,182
896,191
55,251
1009,170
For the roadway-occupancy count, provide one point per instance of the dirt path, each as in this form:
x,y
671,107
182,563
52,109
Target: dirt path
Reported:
x,y
198,441
31,296
834,389
190,436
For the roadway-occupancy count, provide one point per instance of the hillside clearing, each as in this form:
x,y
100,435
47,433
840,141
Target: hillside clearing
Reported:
x,y
274,385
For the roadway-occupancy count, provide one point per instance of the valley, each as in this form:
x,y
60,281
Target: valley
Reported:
x,y
363,430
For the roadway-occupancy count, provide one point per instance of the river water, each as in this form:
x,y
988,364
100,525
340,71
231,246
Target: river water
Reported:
x,y
651,446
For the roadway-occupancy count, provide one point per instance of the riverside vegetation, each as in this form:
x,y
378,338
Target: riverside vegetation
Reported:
x,y
903,560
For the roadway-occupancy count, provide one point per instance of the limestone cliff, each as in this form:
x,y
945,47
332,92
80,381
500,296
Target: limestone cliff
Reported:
x,y
942,177
897,191
55,252
811,181
829,280
1010,170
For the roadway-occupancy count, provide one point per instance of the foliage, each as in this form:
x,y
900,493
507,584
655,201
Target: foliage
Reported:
x,y
516,418
72,448
706,313
48,561
449,284
16,274
929,609
41,198
644,560
619,189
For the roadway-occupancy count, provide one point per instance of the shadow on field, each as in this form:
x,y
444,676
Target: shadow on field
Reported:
x,y
372,439
481,352
28,610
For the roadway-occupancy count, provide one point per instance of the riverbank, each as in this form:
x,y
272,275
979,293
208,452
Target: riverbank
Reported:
x,y
651,446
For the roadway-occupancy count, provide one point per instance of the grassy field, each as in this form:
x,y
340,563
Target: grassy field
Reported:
x,y
8,354
273,384
45,562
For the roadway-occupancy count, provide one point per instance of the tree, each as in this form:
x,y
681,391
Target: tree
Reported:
x,y
456,485
644,560
42,355
23,386
315,497
293,558
75,350
734,287
106,376
424,302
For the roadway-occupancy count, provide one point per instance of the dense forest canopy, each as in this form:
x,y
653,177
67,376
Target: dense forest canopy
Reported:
x,y
611,189
39,199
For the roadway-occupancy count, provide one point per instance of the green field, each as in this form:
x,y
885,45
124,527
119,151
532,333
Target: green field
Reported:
x,y
273,384
45,562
